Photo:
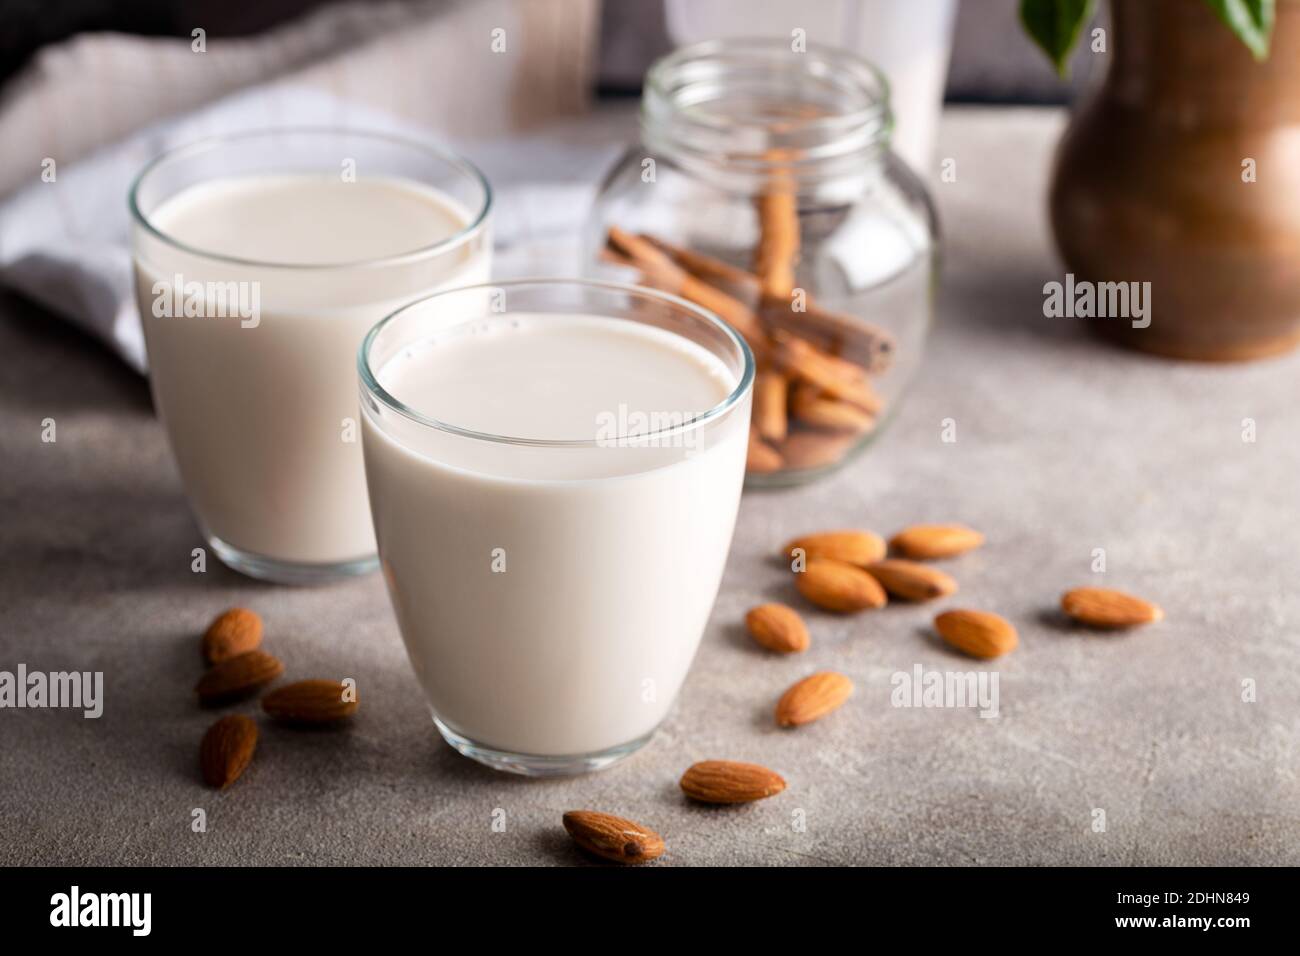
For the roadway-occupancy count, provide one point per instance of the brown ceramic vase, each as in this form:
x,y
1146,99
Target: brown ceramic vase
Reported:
x,y
1183,169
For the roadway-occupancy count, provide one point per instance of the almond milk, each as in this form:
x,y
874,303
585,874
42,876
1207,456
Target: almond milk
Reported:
x,y
551,598
261,410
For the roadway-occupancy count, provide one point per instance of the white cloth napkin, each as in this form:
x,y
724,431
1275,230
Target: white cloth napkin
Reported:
x,y
431,63
65,243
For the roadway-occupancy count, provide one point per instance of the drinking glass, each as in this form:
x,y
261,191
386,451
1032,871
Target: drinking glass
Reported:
x,y
551,593
252,359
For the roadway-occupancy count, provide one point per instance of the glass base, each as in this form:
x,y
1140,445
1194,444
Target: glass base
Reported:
x,y
289,572
536,765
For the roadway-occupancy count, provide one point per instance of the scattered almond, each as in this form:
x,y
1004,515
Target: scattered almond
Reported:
x,y
237,676
778,628
730,781
924,542
813,698
226,750
762,458
1103,607
611,837
911,580
311,702
232,633
977,633
851,547
840,587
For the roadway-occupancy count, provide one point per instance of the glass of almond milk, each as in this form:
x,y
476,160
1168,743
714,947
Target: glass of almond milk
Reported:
x,y
554,470
261,260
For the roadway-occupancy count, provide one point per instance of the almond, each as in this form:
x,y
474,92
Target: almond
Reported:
x,y
770,391
1103,607
762,458
729,781
226,750
311,702
778,628
818,410
911,580
813,698
978,633
851,547
614,838
809,449
925,542
232,633
237,676
841,587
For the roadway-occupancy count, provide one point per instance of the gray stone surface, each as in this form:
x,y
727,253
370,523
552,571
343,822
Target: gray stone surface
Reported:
x,y
1063,446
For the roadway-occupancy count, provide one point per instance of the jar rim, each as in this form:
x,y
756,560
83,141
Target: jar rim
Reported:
x,y
827,102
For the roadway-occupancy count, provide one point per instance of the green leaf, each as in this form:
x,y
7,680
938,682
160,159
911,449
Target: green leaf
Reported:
x,y
1055,24
1250,20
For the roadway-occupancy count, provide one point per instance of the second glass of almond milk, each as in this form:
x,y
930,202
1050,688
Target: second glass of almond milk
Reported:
x,y
261,260
554,469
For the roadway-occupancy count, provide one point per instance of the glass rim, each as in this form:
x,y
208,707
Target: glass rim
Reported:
x,y
852,70
475,225
370,382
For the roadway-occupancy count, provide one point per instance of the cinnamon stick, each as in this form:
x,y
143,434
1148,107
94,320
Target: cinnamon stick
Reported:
x,y
869,343
792,355
803,361
660,268
815,449
815,409
762,458
832,330
771,391
778,241
733,280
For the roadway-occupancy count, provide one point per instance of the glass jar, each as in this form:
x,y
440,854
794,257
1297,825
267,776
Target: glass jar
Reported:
x,y
764,189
